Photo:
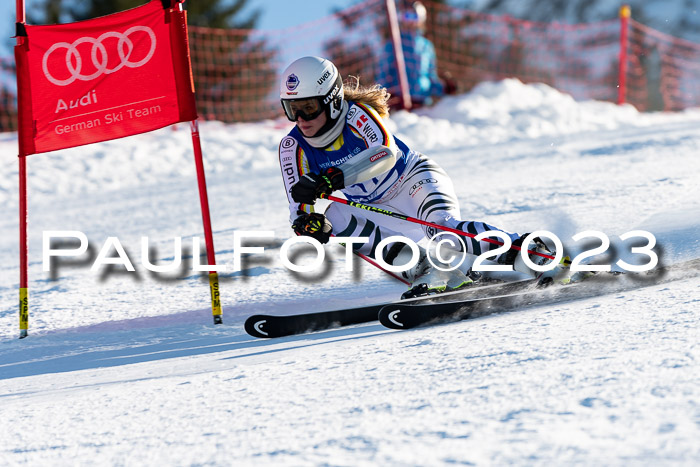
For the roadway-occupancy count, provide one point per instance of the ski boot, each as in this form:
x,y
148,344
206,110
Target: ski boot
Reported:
x,y
559,274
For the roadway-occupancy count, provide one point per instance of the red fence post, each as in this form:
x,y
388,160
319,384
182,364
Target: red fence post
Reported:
x,y
398,53
622,77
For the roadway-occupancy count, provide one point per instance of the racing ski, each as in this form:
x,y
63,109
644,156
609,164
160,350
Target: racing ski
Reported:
x,y
404,315
270,326
280,326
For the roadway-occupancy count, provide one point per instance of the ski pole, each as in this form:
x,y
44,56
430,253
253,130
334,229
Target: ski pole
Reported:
x,y
375,264
422,222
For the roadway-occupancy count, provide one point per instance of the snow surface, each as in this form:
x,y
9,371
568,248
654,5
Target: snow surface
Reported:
x,y
127,369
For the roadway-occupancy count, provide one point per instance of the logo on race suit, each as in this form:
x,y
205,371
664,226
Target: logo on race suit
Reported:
x,y
99,56
351,114
378,156
362,123
288,142
417,187
389,194
323,78
292,82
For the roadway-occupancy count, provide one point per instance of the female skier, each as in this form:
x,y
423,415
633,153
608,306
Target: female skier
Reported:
x,y
340,142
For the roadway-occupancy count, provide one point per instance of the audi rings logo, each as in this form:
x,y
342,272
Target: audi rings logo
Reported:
x,y
98,55
417,186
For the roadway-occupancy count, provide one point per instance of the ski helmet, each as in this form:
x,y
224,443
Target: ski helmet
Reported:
x,y
311,86
416,15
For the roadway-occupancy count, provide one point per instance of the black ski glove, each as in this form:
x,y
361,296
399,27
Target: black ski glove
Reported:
x,y
313,225
312,185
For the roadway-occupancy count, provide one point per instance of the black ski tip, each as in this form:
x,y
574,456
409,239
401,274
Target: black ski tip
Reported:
x,y
256,326
390,317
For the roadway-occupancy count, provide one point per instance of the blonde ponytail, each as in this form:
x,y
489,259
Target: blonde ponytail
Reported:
x,y
375,96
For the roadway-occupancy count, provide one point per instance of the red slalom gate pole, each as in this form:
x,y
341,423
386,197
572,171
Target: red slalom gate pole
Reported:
x,y
625,13
23,246
23,253
206,220
421,222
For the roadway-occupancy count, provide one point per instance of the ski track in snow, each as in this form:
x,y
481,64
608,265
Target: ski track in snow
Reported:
x,y
125,368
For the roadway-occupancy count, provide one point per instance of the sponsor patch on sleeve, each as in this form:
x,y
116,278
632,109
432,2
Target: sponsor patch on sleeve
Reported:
x,y
378,156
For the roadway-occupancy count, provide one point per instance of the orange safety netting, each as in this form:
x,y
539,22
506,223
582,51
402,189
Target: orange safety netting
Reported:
x,y
237,72
580,59
664,71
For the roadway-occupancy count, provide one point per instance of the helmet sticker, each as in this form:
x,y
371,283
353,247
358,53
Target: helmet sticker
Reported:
x,y
292,82
323,78
331,95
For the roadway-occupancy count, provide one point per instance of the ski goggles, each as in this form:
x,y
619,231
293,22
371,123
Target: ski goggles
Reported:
x,y
409,17
307,109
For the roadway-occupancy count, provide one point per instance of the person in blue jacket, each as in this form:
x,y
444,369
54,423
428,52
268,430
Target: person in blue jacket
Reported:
x,y
340,142
425,86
